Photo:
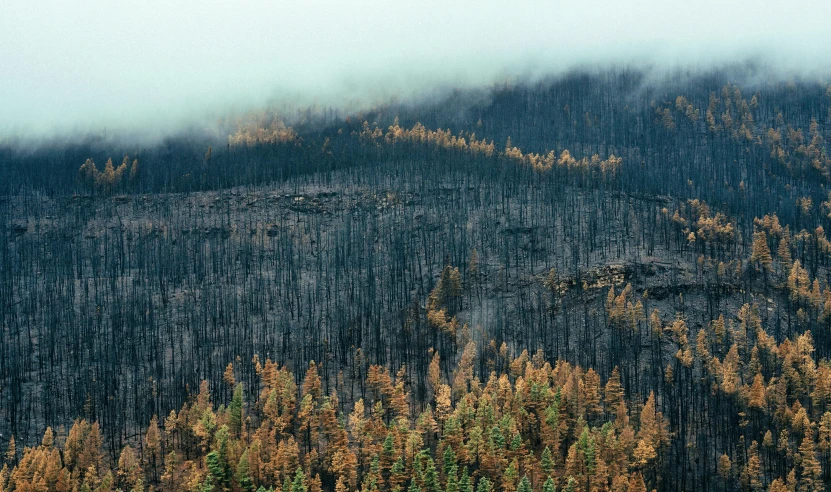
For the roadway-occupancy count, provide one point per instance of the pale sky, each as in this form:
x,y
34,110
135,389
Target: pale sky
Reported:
x,y
68,66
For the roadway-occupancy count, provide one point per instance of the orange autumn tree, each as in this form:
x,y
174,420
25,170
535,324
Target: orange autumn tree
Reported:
x,y
522,430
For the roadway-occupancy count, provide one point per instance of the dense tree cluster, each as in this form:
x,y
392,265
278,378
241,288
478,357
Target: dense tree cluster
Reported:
x,y
254,132
532,427
111,178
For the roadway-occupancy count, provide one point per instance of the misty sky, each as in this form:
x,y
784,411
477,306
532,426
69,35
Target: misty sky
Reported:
x,y
69,66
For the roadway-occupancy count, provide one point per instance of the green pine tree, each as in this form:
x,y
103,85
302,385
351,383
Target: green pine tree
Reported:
x,y
484,485
546,463
452,479
242,474
299,483
516,442
218,469
431,477
465,483
449,459
524,485
235,411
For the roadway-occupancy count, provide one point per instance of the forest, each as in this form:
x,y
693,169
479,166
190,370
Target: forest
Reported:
x,y
603,280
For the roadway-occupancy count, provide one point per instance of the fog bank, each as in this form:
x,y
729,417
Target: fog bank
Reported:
x,y
154,66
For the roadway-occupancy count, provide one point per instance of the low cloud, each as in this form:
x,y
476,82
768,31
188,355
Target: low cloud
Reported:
x,y
155,66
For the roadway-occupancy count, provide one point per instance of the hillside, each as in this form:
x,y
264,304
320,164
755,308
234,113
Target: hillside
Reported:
x,y
598,281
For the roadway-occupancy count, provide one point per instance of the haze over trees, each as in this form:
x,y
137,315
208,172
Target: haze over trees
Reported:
x,y
597,281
